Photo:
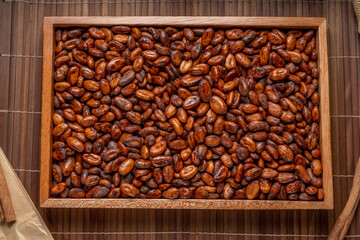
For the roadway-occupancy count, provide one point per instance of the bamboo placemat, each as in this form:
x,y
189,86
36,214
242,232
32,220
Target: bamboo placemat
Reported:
x,y
20,97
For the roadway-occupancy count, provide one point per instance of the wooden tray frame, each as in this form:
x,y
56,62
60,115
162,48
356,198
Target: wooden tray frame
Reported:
x,y
50,23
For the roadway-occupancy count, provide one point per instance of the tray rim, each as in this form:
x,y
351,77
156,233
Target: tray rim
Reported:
x,y
222,22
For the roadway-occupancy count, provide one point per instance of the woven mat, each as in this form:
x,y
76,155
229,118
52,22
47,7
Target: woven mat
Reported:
x,y
20,104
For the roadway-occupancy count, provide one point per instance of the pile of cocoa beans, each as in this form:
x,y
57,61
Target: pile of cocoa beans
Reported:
x,y
144,112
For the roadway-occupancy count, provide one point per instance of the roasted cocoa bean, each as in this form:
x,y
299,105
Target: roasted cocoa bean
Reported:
x,y
146,112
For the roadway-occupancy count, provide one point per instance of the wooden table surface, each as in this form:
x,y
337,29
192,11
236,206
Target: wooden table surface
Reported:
x,y
20,104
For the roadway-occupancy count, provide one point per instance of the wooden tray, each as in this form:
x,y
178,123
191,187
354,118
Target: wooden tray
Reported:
x,y
50,23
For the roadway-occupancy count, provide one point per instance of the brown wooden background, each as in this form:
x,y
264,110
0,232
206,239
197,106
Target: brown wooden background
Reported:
x,y
20,104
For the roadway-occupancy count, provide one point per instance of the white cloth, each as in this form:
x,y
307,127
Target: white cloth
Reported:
x,y
28,224
356,4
